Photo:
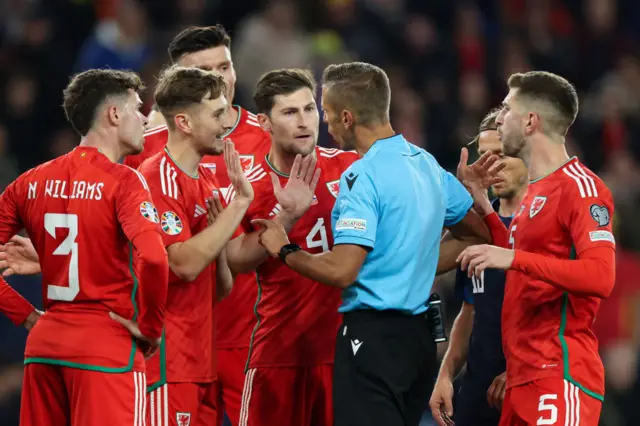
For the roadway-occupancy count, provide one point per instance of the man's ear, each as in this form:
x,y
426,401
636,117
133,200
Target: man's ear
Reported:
x,y
347,119
183,123
113,115
265,122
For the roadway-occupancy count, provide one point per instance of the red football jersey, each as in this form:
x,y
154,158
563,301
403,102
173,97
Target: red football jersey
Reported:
x,y
81,210
235,313
297,318
547,332
154,141
186,351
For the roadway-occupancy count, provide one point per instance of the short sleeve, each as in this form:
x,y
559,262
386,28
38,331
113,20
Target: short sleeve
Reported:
x,y
356,221
588,218
457,198
10,222
134,205
463,288
174,221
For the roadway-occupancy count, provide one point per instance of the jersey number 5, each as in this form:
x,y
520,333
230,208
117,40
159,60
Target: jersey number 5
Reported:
x,y
53,221
318,236
512,240
550,407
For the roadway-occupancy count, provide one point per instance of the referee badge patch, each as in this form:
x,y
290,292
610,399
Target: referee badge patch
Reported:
x,y
352,224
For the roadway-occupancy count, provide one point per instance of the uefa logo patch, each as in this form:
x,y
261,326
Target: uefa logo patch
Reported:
x,y
149,212
171,223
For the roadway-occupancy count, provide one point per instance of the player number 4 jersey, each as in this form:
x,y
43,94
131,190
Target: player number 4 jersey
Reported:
x,y
547,332
297,318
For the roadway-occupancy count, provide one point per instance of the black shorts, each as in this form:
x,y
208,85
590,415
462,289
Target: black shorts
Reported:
x,y
471,407
384,371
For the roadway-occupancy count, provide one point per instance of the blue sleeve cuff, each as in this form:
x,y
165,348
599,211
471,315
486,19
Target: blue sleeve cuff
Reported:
x,y
351,239
468,204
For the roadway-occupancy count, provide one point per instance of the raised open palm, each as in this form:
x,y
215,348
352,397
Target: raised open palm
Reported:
x,y
297,195
243,188
483,173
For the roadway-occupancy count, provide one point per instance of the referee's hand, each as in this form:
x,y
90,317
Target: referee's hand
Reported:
x,y
441,402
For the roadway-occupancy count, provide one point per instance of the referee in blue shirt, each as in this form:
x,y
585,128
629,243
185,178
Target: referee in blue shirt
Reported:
x,y
387,223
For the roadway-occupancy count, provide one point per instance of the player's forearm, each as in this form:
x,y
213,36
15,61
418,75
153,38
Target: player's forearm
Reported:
x,y
499,233
456,354
13,305
153,271
592,274
187,260
450,249
245,253
224,277
328,268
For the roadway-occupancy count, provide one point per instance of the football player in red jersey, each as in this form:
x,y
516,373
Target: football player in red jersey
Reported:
x,y
182,375
560,261
290,366
82,367
209,48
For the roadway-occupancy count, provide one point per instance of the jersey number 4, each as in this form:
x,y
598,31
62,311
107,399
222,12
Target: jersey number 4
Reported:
x,y
317,237
53,221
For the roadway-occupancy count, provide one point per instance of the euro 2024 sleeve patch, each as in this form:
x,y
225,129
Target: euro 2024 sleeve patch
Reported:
x,y
149,212
170,223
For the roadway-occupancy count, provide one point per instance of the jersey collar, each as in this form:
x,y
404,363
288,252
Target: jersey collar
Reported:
x,y
235,126
569,161
387,143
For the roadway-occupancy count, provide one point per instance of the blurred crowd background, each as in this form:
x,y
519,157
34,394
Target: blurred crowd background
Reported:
x,y
447,60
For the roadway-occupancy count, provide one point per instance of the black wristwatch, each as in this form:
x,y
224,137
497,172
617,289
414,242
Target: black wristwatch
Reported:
x,y
287,249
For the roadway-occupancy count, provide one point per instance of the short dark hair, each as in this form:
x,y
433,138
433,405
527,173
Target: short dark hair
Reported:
x,y
552,89
281,82
195,39
87,90
487,123
181,87
361,88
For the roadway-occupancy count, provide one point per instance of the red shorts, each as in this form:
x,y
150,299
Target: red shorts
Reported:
x,y
184,404
553,402
288,396
231,365
53,395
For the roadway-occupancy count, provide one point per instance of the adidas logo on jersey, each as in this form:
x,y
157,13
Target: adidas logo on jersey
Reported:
x,y
199,211
252,119
275,210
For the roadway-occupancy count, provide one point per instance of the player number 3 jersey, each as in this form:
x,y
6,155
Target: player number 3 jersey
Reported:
x,y
548,332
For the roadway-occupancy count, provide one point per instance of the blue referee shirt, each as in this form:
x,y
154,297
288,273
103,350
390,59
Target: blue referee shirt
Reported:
x,y
395,201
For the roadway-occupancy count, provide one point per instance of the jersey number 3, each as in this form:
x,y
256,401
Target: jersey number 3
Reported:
x,y
53,221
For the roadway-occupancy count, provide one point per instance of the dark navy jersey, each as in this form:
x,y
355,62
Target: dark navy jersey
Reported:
x,y
485,359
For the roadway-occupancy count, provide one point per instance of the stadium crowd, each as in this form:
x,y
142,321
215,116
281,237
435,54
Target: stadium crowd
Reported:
x,y
447,62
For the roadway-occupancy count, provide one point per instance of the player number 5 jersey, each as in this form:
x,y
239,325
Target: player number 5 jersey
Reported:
x,y
547,332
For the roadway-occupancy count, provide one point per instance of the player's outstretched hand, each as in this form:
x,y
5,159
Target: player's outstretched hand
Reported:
x,y
272,236
214,208
297,195
483,173
495,393
475,259
149,346
244,190
19,257
441,402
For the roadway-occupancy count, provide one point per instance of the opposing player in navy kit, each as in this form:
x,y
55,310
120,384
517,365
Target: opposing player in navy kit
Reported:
x,y
476,336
